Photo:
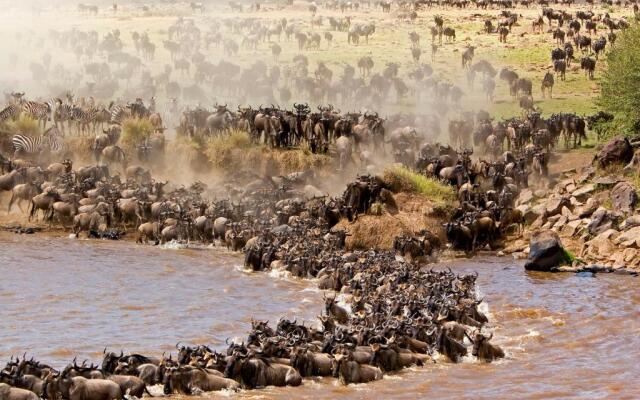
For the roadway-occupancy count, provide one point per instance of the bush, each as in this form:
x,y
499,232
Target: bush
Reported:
x,y
222,150
235,152
135,131
24,125
402,179
620,86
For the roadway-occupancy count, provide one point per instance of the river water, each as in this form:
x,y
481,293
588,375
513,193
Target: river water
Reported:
x,y
566,335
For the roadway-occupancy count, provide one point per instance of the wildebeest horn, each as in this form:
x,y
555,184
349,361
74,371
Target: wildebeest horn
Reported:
x,y
177,348
104,351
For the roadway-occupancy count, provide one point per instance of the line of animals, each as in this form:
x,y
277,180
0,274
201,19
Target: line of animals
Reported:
x,y
398,316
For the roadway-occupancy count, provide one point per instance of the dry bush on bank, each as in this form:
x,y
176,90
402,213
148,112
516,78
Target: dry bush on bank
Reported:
x,y
23,125
135,131
235,152
401,179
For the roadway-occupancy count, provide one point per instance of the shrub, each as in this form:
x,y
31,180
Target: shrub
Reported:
x,y
402,179
24,125
620,87
222,150
135,131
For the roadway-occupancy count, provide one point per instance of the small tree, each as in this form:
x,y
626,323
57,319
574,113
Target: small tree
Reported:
x,y
620,83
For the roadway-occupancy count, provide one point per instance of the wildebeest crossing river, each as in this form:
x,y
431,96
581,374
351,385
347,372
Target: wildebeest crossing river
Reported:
x,y
566,336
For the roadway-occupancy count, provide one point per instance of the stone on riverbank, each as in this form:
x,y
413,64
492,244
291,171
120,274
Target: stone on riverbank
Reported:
x,y
546,252
624,197
617,151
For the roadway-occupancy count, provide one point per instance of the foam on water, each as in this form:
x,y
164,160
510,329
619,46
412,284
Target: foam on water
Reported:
x,y
174,245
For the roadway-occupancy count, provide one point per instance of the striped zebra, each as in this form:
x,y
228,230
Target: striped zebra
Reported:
x,y
51,141
83,118
12,111
118,113
61,114
40,111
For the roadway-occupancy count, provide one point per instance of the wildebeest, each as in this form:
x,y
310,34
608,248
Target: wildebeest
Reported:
x,y
255,372
186,380
350,371
484,350
547,84
588,64
560,68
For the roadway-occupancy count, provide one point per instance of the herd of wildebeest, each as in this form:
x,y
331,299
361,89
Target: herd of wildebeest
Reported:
x,y
388,311
394,312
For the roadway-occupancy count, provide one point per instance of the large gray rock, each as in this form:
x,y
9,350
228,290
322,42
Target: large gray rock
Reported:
x,y
588,208
634,165
629,238
554,205
582,193
630,222
624,197
602,220
617,151
546,252
571,228
526,195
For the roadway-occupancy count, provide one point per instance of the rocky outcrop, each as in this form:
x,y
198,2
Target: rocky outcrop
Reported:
x,y
624,197
594,215
546,252
616,151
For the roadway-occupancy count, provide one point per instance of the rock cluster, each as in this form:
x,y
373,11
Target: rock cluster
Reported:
x,y
595,215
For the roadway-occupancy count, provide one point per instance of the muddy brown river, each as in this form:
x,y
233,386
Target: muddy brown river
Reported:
x,y
566,335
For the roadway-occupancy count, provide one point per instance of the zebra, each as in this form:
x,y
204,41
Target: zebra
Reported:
x,y
50,141
11,111
118,113
62,112
83,118
38,111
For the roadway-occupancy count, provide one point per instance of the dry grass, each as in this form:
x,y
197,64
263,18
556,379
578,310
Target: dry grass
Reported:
x,y
78,146
23,125
134,131
401,179
236,152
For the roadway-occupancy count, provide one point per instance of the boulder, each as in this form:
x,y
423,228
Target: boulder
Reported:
x,y
540,193
630,222
583,192
634,165
624,197
629,238
571,228
601,220
617,151
588,208
528,213
606,182
555,204
526,195
587,174
546,252
600,248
